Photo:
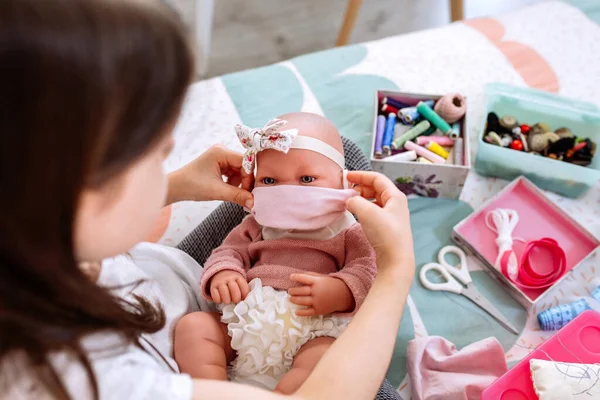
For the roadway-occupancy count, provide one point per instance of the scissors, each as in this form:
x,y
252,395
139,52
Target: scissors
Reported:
x,y
461,273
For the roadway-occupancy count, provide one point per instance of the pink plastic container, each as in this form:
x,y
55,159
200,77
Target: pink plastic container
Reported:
x,y
539,217
579,343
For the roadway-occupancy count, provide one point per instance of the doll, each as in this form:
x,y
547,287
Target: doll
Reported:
x,y
287,279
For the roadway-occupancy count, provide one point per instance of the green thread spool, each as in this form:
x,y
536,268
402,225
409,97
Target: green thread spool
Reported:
x,y
412,133
427,112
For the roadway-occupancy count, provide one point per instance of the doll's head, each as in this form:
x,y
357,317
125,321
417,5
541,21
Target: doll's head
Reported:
x,y
300,166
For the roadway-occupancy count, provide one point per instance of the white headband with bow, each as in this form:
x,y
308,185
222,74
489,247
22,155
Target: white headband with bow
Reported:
x,y
270,137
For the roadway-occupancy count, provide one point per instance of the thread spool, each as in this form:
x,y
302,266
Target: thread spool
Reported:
x,y
494,138
451,107
409,115
423,152
388,134
379,136
455,133
393,102
441,140
423,160
388,108
458,152
427,112
406,156
556,317
400,130
437,149
412,133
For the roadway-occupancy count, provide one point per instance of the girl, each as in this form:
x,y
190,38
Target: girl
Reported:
x,y
90,92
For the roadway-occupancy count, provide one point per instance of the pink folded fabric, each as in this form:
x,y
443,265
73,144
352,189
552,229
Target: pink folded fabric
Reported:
x,y
438,371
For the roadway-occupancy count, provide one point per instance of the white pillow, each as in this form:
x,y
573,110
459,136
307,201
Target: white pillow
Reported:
x,y
553,380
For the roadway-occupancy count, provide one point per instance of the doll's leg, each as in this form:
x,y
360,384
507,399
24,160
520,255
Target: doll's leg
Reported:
x,y
202,347
305,361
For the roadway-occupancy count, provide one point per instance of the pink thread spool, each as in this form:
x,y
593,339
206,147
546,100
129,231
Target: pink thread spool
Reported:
x,y
441,140
451,107
423,152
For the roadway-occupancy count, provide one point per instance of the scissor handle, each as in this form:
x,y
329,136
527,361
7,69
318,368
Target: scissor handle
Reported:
x,y
460,271
450,284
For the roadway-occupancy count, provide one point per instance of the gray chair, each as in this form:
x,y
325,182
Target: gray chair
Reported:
x,y
211,232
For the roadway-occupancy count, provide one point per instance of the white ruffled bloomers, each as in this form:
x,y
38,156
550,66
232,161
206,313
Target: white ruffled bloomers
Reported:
x,y
266,333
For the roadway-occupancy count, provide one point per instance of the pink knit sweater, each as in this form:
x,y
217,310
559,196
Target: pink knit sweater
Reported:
x,y
347,256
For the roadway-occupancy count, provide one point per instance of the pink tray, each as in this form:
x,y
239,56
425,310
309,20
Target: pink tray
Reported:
x,y
538,218
581,340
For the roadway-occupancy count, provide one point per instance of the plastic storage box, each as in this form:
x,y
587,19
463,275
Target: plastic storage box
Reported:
x,y
531,106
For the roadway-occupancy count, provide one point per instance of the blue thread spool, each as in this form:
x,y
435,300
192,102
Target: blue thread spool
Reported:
x,y
556,317
379,136
389,134
409,115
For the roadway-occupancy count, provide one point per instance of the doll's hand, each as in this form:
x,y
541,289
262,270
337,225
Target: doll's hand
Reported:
x,y
228,286
321,294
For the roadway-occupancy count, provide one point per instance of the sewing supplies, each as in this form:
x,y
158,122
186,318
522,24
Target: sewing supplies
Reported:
x,y
578,342
400,130
539,138
388,108
516,145
409,115
423,160
394,103
412,133
451,107
427,112
556,317
441,140
525,273
423,152
457,150
388,134
379,135
458,280
405,156
455,131
437,149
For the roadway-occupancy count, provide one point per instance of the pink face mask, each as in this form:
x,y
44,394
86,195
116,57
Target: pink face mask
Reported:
x,y
299,207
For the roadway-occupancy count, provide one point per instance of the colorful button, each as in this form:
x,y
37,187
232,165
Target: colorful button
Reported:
x,y
516,145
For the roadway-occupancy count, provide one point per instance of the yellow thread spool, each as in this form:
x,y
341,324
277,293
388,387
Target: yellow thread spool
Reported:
x,y
437,149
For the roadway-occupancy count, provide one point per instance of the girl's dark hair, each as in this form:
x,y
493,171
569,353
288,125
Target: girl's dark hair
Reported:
x,y
86,88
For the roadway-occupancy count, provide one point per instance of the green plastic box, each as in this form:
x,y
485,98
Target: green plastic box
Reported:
x,y
531,106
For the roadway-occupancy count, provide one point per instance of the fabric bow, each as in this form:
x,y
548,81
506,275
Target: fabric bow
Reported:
x,y
259,139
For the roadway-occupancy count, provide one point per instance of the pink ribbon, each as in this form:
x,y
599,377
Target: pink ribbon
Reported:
x,y
528,277
259,139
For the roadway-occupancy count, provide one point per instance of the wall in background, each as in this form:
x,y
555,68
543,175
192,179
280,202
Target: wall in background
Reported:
x,y
252,33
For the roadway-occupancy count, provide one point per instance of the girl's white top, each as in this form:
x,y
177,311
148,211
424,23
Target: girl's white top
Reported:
x,y
124,371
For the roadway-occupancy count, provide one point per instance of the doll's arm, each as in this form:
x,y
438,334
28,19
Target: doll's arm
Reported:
x,y
232,255
361,267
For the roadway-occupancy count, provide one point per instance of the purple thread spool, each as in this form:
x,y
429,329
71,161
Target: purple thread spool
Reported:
x,y
379,136
393,102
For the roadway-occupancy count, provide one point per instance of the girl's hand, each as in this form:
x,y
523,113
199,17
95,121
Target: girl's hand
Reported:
x,y
216,174
386,222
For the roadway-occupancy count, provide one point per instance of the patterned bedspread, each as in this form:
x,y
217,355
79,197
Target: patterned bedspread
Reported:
x,y
550,46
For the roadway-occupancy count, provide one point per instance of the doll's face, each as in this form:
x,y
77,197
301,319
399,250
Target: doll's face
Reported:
x,y
302,167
